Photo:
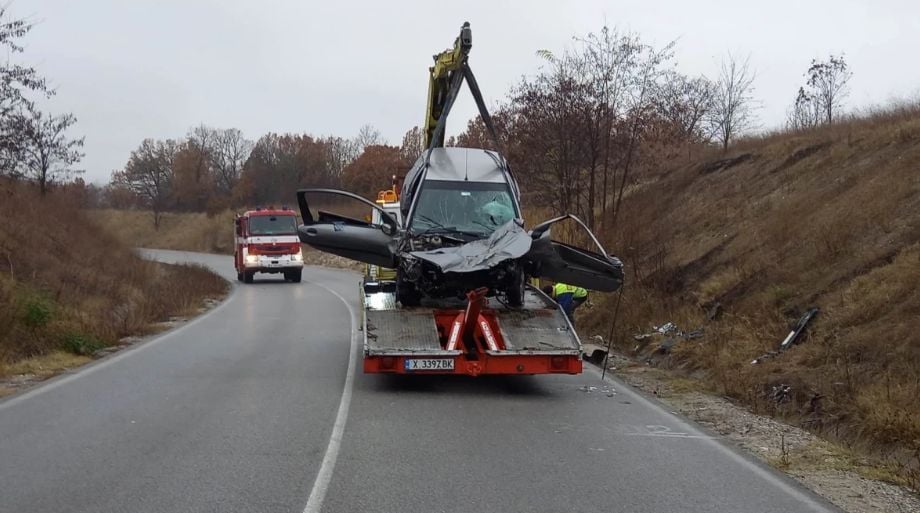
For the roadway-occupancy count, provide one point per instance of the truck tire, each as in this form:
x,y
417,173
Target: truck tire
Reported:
x,y
294,276
239,276
247,276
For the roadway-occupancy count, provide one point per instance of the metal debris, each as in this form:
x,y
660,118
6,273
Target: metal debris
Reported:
x,y
781,393
798,329
792,337
674,333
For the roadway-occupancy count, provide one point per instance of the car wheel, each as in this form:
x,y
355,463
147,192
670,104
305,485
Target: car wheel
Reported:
x,y
515,291
406,293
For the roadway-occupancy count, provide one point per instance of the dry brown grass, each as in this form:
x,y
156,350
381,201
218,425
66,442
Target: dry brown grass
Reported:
x,y
828,218
45,365
67,285
188,231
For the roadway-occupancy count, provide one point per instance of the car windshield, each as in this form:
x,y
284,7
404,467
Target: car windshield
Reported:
x,y
272,225
471,207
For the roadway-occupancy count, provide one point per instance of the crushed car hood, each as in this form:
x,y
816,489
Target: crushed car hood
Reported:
x,y
507,242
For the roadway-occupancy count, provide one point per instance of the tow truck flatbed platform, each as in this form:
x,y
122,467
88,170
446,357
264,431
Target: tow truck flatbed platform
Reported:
x,y
479,336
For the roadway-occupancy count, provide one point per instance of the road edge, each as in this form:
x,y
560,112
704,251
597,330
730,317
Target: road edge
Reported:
x,y
84,370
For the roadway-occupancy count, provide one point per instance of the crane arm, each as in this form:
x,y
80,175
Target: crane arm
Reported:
x,y
446,72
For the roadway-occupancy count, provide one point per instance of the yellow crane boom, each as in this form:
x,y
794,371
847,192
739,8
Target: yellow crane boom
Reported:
x,y
447,70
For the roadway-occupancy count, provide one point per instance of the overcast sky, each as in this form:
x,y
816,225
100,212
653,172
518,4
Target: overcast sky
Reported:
x,y
131,69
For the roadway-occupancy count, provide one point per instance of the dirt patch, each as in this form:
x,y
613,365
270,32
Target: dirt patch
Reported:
x,y
852,483
723,164
800,155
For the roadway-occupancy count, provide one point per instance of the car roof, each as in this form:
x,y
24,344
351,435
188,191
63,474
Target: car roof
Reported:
x,y
465,164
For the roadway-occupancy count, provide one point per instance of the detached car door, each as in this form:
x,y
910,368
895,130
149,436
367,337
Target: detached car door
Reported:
x,y
574,266
345,236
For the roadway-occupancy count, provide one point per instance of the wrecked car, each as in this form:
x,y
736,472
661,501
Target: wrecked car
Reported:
x,y
463,229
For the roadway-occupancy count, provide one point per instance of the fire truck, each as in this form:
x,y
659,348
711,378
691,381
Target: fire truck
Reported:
x,y
266,242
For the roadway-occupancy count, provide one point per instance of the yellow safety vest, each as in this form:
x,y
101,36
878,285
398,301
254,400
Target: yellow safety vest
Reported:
x,y
562,288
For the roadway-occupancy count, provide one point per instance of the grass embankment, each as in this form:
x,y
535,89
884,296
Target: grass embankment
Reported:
x,y
827,218
188,231
69,289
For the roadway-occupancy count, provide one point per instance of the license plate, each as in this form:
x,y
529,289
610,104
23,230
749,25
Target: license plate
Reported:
x,y
429,364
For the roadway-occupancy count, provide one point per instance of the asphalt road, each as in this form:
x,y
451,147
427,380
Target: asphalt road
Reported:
x,y
257,407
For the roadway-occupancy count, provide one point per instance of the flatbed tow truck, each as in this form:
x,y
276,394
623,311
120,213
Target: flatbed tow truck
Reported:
x,y
500,325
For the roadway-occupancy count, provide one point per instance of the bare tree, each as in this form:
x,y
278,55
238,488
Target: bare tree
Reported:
x,y
828,83
229,151
368,136
148,175
733,106
199,144
805,112
47,153
685,102
413,144
15,81
341,153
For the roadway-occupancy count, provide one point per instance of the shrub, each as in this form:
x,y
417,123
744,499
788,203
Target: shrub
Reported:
x,y
81,344
37,313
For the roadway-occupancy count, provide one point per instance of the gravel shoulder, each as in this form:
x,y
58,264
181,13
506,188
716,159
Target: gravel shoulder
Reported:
x,y
849,481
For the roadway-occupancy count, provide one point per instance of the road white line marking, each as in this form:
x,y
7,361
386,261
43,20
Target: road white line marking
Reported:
x,y
117,356
324,476
768,474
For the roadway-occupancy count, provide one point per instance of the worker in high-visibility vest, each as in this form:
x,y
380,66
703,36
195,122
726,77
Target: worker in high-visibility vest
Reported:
x,y
569,298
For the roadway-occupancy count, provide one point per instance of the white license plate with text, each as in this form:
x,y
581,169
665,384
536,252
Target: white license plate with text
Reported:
x,y
429,364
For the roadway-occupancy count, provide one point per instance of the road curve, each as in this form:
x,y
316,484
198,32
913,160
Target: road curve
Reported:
x,y
248,409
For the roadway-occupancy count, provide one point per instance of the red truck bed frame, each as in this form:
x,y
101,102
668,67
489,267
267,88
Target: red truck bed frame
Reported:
x,y
483,336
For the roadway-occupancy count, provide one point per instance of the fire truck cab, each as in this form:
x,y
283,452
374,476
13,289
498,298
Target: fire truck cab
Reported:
x,y
266,242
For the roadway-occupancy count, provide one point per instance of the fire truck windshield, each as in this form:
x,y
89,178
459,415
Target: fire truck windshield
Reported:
x,y
272,225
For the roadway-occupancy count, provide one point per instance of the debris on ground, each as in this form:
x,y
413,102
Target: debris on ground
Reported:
x,y
798,329
674,335
791,338
594,351
780,393
607,390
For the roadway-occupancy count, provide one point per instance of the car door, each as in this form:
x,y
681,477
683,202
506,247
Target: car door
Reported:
x,y
567,264
345,236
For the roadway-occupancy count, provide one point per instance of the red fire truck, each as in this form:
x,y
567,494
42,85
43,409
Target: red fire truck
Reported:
x,y
266,242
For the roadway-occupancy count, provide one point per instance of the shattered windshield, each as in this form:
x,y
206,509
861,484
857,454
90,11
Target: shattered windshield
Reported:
x,y
471,207
272,225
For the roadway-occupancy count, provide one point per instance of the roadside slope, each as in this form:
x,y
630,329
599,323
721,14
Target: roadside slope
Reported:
x,y
828,218
68,289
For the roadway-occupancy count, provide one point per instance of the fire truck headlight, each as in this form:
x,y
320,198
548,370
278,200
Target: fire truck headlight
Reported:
x,y
298,257
252,259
